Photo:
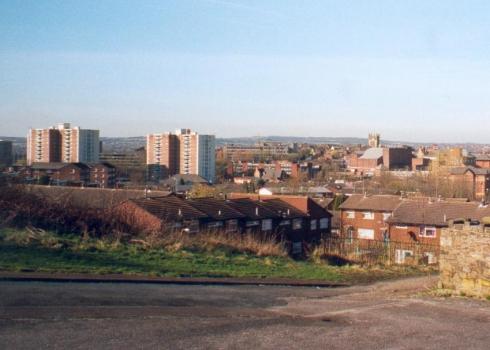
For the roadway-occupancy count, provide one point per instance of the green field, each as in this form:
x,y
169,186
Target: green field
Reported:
x,y
72,254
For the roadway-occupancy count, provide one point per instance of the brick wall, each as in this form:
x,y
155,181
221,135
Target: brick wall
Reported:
x,y
377,223
465,259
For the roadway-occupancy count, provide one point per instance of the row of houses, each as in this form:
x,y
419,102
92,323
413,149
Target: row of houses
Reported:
x,y
297,220
294,219
101,174
393,218
271,171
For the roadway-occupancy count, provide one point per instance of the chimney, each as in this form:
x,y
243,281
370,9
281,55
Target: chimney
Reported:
x,y
289,212
257,211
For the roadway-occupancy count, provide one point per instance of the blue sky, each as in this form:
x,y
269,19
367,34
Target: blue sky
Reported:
x,y
411,70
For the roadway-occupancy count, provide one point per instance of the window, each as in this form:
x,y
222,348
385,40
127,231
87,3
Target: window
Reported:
x,y
430,232
177,225
365,233
267,225
368,215
386,216
252,223
350,215
431,258
231,226
323,223
215,224
193,226
297,248
402,255
297,224
313,224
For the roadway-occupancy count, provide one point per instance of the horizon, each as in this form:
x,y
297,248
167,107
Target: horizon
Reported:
x,y
414,71
268,137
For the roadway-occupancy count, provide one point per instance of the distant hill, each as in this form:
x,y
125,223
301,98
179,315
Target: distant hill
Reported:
x,y
124,144
293,139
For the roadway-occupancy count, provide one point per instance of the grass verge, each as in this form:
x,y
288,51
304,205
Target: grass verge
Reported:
x,y
72,254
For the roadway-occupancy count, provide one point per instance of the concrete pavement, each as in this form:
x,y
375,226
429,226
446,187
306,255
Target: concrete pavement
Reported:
x,y
388,315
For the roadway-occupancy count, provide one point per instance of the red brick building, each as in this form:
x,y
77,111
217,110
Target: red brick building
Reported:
x,y
365,217
319,219
483,161
472,181
70,174
102,175
391,218
375,159
75,174
421,221
295,220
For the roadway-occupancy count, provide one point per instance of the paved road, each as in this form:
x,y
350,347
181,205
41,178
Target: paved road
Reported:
x,y
393,315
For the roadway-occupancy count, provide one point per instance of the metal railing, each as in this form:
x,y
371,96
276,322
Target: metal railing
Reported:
x,y
371,252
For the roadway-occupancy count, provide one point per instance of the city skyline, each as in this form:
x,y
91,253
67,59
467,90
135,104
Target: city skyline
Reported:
x,y
414,72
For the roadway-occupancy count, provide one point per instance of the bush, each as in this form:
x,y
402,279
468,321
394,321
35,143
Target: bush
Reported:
x,y
21,208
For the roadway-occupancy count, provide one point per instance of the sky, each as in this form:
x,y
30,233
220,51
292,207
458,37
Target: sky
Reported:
x,y
410,70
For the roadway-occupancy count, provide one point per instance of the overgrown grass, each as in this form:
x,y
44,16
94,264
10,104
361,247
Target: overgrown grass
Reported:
x,y
21,250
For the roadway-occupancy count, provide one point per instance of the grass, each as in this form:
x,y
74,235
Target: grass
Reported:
x,y
21,250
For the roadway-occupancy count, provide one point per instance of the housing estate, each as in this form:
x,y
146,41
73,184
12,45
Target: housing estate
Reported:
x,y
295,219
70,174
395,219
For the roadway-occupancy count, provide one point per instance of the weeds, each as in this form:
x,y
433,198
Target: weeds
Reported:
x,y
176,256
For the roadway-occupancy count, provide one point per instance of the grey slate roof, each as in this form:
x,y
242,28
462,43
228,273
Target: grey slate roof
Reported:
x,y
374,202
373,153
436,213
90,197
474,170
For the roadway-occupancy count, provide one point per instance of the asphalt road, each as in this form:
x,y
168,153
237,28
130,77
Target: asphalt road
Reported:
x,y
393,315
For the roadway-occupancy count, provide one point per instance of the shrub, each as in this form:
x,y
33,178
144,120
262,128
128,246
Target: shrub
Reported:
x,y
23,209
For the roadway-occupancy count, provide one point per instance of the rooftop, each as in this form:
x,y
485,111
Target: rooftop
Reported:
x,y
474,170
90,197
371,202
437,213
373,153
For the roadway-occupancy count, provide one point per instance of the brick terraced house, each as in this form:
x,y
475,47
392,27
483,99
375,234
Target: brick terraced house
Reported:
x,y
102,175
475,182
293,220
395,219
365,217
75,174
386,217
